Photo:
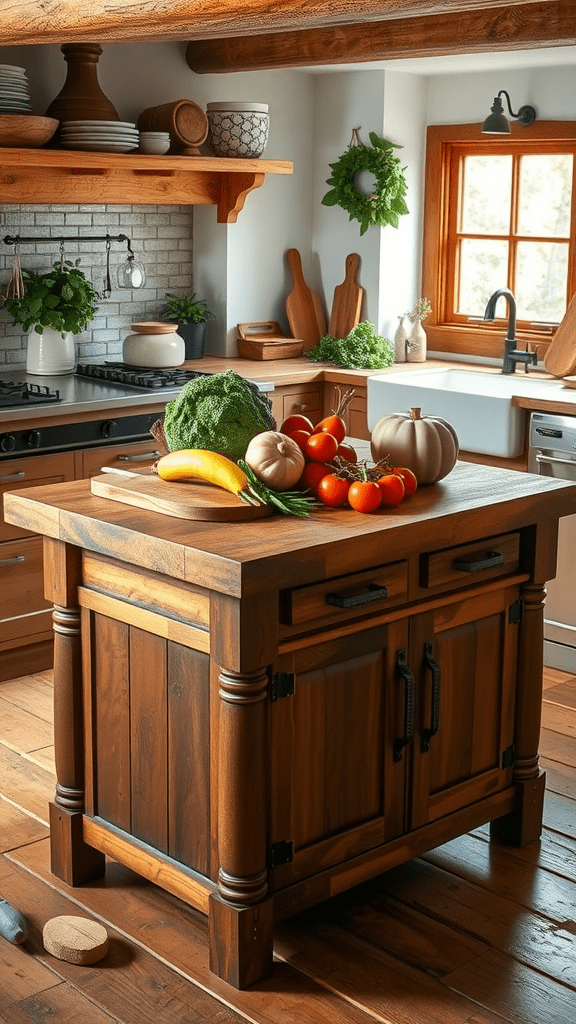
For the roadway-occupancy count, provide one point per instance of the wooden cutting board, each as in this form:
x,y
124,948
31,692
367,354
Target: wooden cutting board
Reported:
x,y
347,301
304,307
192,499
560,359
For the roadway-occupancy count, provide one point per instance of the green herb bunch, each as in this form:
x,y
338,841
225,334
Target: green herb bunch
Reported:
x,y
386,202
362,349
62,299
186,309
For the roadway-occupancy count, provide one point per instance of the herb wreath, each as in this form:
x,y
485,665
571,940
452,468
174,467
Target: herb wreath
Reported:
x,y
386,203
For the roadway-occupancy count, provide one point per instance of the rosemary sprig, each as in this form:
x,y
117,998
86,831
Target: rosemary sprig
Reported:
x,y
290,503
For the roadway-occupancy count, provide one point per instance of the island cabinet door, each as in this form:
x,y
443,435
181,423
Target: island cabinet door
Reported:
x,y
336,788
464,656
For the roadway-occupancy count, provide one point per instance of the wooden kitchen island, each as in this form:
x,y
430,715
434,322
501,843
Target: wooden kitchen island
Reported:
x,y
257,716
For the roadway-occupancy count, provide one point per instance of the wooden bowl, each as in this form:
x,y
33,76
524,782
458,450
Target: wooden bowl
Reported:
x,y
25,131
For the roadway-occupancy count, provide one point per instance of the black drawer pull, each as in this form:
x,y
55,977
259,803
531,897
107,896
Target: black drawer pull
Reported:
x,y
434,667
374,592
483,560
408,678
13,561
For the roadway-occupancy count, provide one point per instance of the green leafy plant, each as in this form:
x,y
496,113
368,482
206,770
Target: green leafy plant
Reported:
x,y
386,203
362,349
186,309
62,298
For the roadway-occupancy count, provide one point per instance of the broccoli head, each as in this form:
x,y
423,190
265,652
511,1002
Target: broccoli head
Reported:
x,y
219,412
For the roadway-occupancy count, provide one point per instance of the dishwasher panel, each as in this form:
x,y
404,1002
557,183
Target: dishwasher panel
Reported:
x,y
552,452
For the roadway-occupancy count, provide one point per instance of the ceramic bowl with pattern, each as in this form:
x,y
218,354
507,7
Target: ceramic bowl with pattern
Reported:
x,y
238,129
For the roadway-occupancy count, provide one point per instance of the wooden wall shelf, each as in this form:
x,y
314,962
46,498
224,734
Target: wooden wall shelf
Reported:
x,y
70,176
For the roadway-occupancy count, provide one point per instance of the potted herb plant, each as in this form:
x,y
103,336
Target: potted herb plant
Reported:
x,y
55,306
191,315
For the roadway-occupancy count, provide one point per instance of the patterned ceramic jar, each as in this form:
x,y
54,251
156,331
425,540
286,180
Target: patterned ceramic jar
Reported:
x,y
238,129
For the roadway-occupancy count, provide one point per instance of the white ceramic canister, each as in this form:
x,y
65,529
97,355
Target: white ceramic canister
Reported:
x,y
159,350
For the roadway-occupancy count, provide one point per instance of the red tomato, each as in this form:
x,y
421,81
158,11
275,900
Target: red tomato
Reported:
x,y
410,481
296,422
333,490
332,425
312,475
346,451
392,488
365,495
300,436
321,447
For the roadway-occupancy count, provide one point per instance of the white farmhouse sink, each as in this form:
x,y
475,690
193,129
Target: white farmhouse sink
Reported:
x,y
478,405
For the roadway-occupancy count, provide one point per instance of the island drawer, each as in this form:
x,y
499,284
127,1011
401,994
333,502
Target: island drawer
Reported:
x,y
353,594
485,559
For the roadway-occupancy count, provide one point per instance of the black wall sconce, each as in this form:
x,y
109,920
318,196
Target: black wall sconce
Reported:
x,y
498,124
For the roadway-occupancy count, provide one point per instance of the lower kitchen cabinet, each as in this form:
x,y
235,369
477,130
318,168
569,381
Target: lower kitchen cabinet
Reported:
x,y
302,399
355,416
26,635
25,616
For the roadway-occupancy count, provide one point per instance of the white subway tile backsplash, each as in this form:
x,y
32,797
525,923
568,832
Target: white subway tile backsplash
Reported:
x,y
161,239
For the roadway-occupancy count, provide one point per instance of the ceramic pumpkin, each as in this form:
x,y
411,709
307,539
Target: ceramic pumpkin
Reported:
x,y
427,445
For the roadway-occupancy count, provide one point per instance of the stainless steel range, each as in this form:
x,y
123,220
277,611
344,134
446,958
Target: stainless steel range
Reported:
x,y
91,407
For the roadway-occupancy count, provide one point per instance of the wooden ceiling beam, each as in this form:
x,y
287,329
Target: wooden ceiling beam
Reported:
x,y
25,22
497,28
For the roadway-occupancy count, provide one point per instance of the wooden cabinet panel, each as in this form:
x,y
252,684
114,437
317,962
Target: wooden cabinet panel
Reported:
x,y
148,755
355,416
304,399
33,471
139,454
22,590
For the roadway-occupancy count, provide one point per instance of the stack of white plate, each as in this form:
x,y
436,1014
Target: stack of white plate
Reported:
x,y
14,95
106,136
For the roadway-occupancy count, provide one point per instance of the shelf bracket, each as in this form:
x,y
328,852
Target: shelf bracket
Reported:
x,y
233,191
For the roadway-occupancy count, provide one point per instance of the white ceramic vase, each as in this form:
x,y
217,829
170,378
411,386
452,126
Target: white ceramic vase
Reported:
x,y
400,340
49,354
416,347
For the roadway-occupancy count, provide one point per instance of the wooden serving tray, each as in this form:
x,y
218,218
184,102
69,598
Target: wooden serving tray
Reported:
x,y
192,499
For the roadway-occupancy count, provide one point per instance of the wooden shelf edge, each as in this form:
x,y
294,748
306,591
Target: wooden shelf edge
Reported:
x,y
96,177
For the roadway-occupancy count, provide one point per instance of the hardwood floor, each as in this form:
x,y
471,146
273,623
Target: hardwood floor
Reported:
x,y
472,933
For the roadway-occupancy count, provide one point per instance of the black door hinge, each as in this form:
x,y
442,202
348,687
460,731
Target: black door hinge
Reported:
x,y
508,756
516,611
280,853
282,685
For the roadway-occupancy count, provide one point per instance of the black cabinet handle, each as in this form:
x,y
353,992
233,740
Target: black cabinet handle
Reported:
x,y
408,678
373,592
434,667
484,560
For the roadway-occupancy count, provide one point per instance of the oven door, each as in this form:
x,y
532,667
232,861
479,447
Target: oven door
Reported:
x,y
552,452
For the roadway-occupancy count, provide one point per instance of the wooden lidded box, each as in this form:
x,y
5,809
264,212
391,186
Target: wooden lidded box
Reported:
x,y
266,341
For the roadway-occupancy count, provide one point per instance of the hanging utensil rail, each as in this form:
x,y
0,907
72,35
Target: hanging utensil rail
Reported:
x,y
19,239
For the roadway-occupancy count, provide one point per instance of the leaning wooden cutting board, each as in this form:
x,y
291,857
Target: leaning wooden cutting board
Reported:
x,y
303,306
560,359
347,302
183,500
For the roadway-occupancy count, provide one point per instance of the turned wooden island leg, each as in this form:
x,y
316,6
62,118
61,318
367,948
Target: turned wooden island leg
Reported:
x,y
72,859
240,914
524,824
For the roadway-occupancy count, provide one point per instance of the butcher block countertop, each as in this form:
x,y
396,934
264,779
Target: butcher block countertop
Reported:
x,y
232,558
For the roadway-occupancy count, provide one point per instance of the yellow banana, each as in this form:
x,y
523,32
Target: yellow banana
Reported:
x,y
198,464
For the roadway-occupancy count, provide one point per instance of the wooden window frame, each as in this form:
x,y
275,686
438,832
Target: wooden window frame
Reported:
x,y
443,142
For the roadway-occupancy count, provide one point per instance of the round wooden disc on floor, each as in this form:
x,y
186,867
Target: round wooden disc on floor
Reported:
x,y
75,939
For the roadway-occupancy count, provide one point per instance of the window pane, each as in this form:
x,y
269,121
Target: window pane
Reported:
x,y
541,274
486,195
545,191
483,269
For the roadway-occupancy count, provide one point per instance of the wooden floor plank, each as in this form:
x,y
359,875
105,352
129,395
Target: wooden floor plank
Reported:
x,y
17,828
513,990
554,718
560,778
563,694
18,724
25,783
557,747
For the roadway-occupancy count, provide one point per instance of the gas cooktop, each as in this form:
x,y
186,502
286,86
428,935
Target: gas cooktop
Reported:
x,y
138,376
22,393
